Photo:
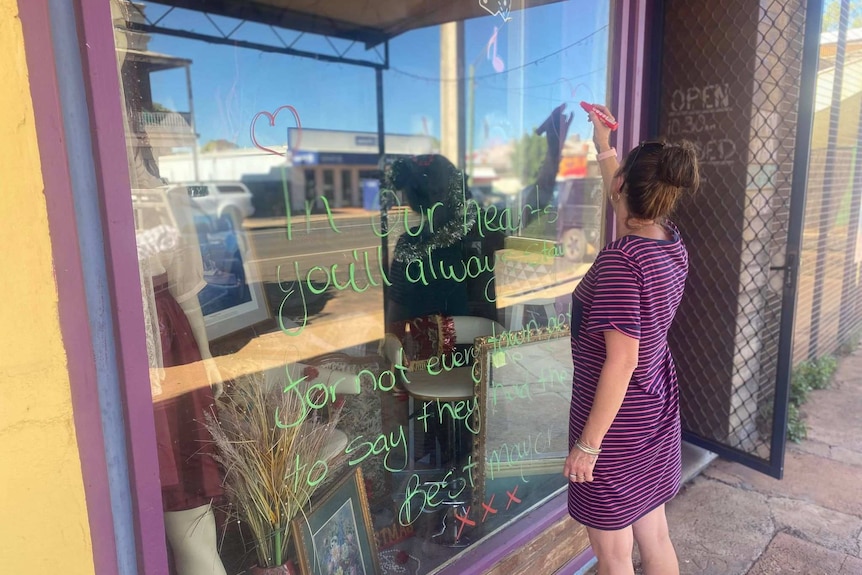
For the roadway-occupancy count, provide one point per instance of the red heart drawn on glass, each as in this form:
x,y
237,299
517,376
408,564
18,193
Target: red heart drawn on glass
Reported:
x,y
271,117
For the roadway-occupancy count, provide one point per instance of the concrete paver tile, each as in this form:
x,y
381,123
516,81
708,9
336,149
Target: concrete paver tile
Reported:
x,y
848,456
718,530
825,482
832,414
831,529
788,555
851,566
812,447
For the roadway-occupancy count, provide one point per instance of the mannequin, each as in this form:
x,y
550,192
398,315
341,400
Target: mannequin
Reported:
x,y
192,535
171,277
172,270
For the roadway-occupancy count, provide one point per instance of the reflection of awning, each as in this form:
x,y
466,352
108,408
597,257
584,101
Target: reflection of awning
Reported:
x,y
369,22
154,61
483,175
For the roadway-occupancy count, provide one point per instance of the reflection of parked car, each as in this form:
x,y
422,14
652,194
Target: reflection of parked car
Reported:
x,y
229,202
578,202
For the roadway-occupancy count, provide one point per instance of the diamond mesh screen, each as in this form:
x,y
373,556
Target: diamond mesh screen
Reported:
x,y
730,83
829,308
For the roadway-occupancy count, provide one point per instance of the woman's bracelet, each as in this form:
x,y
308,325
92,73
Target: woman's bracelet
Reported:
x,y
612,153
586,448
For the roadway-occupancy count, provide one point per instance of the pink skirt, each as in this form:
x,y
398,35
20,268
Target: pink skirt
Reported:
x,y
190,477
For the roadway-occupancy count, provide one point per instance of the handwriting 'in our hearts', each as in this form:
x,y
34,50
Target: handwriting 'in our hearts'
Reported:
x,y
272,117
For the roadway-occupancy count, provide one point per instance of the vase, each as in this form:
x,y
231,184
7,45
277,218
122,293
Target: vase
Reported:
x,y
287,569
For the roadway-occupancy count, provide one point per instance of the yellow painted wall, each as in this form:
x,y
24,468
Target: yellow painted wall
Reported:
x,y
43,514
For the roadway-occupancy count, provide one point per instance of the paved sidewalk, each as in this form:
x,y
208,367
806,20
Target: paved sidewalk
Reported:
x,y
731,520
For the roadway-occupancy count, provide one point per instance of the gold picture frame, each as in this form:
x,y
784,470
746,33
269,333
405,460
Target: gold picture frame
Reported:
x,y
337,532
523,389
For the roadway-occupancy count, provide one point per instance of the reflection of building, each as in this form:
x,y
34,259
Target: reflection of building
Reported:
x,y
335,162
151,122
153,129
330,164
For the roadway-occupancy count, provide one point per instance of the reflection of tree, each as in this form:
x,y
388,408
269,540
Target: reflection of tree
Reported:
x,y
528,155
832,14
218,146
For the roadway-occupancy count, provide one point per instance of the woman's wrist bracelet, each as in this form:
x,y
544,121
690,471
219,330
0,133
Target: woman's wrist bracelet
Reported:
x,y
586,448
612,153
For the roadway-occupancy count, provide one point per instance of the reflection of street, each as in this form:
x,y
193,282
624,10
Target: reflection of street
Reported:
x,y
349,314
329,271
317,242
319,245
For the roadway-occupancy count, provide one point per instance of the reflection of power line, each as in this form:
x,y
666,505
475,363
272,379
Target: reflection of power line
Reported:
x,y
532,96
526,95
545,85
537,61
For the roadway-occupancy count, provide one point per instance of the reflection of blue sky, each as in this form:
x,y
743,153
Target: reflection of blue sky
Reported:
x,y
231,84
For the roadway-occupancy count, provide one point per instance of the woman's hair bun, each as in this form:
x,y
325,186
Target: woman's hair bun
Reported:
x,y
678,165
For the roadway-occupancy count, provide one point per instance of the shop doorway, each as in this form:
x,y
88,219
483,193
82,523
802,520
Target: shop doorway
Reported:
x,y
732,339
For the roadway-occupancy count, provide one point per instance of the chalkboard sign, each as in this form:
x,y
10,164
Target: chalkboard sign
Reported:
x,y
706,96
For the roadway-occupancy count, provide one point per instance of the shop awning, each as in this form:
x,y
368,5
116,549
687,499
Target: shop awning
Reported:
x,y
153,61
368,21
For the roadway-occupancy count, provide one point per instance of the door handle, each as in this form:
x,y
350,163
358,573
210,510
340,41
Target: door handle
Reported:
x,y
789,269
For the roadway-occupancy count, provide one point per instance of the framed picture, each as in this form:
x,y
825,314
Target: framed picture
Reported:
x,y
336,536
231,299
524,383
231,296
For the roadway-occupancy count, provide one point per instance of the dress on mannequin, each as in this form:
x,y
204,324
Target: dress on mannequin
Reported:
x,y
190,476
172,274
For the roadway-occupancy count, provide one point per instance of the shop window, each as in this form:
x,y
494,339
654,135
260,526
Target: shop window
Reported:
x,y
329,186
347,191
415,349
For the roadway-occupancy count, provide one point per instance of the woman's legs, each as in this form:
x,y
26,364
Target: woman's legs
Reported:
x,y
613,549
657,553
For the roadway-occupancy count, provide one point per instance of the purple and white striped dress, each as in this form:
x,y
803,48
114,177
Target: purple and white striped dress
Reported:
x,y
635,287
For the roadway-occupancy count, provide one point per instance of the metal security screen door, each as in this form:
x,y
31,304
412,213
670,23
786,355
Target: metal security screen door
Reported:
x,y
736,79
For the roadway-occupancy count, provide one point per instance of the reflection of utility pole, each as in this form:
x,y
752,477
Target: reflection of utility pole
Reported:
x,y
471,92
452,92
192,123
471,110
454,127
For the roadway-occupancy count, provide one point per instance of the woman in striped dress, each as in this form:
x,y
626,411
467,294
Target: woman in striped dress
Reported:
x,y
624,429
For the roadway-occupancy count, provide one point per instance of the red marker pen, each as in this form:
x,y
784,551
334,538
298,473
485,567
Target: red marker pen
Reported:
x,y
601,115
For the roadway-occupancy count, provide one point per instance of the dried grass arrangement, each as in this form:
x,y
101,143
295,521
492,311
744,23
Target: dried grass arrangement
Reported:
x,y
270,463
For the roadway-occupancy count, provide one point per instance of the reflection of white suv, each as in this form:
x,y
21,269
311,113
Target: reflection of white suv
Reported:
x,y
228,202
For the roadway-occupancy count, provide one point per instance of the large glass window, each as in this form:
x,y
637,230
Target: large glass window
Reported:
x,y
358,230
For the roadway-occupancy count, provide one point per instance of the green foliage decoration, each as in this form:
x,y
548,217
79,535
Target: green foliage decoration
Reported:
x,y
807,376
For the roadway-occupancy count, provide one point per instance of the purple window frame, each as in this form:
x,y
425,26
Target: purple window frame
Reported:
x,y
99,62
629,29
72,302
